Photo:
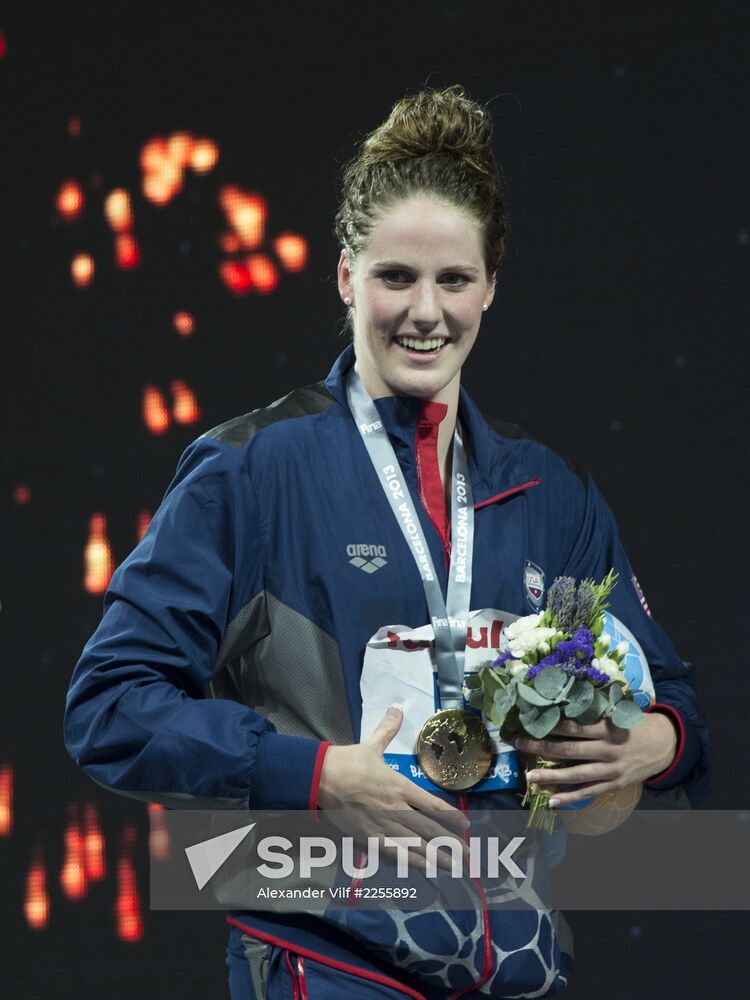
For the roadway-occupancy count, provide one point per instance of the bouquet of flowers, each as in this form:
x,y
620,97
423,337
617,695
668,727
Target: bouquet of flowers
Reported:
x,y
558,664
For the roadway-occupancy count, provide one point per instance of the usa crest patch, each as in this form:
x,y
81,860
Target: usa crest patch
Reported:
x,y
533,583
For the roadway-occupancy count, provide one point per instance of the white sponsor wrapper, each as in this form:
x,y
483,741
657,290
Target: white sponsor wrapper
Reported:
x,y
400,667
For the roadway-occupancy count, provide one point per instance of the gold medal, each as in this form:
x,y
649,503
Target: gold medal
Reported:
x,y
454,749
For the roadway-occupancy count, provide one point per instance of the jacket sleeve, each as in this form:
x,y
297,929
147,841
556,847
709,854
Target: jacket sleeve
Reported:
x,y
596,549
138,717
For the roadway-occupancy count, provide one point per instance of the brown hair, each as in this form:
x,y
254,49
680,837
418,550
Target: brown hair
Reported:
x,y
437,142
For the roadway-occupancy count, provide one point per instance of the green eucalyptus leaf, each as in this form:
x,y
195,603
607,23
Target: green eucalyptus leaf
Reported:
x,y
472,682
580,697
595,711
627,714
531,696
502,701
550,682
544,723
528,715
476,699
615,694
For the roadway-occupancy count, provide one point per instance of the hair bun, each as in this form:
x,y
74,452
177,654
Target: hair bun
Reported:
x,y
434,122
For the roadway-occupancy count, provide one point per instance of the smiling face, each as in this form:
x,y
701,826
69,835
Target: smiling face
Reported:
x,y
417,292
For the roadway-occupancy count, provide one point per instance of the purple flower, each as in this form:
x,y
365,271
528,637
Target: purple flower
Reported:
x,y
503,659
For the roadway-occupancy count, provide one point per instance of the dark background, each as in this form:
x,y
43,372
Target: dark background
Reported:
x,y
619,334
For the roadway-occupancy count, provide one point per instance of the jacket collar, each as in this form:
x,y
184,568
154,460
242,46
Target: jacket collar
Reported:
x,y
495,463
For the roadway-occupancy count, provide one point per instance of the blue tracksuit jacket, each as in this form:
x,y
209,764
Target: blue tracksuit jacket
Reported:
x,y
231,646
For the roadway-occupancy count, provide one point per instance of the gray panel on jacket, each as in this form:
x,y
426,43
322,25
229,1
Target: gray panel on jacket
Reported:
x,y
293,677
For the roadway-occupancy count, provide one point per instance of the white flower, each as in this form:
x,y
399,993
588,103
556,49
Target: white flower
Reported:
x,y
517,667
605,640
522,625
608,666
622,648
524,635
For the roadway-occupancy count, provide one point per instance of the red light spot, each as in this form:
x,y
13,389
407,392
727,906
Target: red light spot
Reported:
x,y
74,128
97,557
6,800
69,200
158,838
128,905
127,251
82,270
185,409
229,242
3,44
154,409
144,519
263,272
36,903
22,495
235,276
73,880
93,845
184,324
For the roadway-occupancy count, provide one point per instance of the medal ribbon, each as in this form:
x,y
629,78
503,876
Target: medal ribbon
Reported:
x,y
449,616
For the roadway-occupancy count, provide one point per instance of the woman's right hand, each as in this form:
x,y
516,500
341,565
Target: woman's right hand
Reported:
x,y
378,800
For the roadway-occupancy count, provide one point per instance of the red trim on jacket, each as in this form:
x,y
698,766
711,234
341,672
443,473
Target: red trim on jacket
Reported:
x,y
292,975
430,481
303,995
676,718
508,493
333,963
317,771
487,962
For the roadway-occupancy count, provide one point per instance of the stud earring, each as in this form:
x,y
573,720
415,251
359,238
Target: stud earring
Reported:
x,y
485,307
347,301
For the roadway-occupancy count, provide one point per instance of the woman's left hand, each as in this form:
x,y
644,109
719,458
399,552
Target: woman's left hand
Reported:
x,y
607,758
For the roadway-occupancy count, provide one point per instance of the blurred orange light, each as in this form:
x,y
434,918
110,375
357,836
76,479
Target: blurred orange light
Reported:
x,y
154,409
22,494
160,189
263,272
144,519
74,127
69,200
128,905
153,155
73,873
36,903
6,800
82,270
98,562
185,409
93,845
235,276
229,242
180,148
291,251
127,251
119,210
158,838
184,324
204,155
246,214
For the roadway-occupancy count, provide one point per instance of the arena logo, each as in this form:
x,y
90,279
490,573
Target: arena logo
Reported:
x,y
368,558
